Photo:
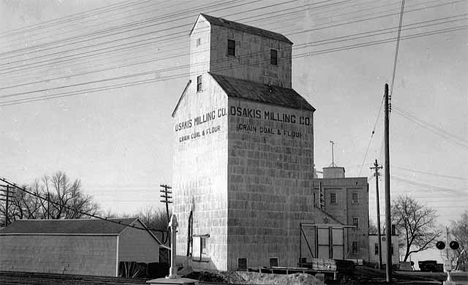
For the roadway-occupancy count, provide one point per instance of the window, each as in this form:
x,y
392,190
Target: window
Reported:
x,y
355,247
199,83
391,248
198,41
242,264
231,50
356,222
376,248
274,262
355,198
274,57
332,198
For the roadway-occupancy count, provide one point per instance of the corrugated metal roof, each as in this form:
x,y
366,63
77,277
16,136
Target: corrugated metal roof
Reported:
x,y
79,226
245,28
263,93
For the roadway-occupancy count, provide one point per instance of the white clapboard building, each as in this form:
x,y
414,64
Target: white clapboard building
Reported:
x,y
84,246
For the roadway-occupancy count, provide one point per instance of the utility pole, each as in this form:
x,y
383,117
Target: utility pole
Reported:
x,y
6,197
48,205
377,174
166,198
388,225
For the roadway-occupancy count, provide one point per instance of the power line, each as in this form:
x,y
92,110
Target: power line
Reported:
x,y
139,35
373,18
431,173
133,27
326,41
382,41
98,16
443,189
430,127
62,59
28,66
15,102
67,19
76,211
372,135
397,49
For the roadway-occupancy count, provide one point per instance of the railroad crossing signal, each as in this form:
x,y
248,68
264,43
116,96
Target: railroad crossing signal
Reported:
x,y
453,245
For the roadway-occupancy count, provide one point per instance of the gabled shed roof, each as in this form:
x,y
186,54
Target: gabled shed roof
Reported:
x,y
262,93
69,226
244,28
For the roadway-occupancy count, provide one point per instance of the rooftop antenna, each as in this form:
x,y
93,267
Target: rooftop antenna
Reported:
x,y
333,155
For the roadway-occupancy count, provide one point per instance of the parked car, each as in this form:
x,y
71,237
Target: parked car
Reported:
x,y
430,266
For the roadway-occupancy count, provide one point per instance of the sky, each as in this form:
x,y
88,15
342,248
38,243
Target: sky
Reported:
x,y
88,88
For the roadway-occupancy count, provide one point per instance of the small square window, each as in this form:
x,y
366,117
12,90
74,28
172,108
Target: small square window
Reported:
x,y
333,198
231,49
355,248
274,57
198,41
355,198
199,83
242,264
274,262
376,248
356,222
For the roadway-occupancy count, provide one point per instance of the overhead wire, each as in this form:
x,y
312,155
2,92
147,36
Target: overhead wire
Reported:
x,y
353,37
66,58
145,34
106,19
75,210
30,69
372,135
67,19
135,26
127,38
15,102
432,128
430,173
397,49
341,47
80,84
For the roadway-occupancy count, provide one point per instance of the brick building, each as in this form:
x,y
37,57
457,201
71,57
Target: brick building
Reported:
x,y
347,200
244,153
85,247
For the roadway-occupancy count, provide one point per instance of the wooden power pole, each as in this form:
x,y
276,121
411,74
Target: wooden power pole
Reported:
x,y
6,197
166,198
377,174
388,225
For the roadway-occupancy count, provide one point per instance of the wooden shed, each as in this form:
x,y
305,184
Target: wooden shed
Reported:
x,y
86,247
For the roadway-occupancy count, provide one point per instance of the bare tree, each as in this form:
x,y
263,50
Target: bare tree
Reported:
x,y
56,197
416,224
155,220
459,230
373,227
